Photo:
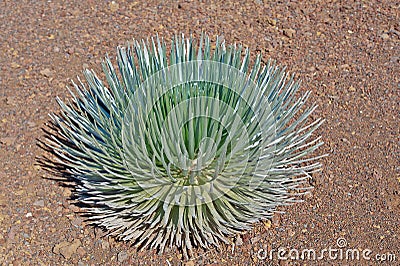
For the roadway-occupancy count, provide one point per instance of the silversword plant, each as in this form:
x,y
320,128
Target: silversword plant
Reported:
x,y
188,146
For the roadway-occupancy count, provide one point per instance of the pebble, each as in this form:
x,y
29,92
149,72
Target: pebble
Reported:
x,y
385,36
46,72
267,224
70,50
15,65
3,200
81,251
275,220
239,241
39,203
31,124
271,21
105,245
289,32
77,222
8,140
67,249
394,59
352,89
113,6
11,234
122,256
346,140
11,100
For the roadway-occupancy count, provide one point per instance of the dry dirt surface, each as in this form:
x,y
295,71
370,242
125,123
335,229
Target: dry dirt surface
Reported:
x,y
346,52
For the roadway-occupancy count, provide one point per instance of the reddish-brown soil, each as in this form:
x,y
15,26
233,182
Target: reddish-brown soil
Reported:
x,y
346,52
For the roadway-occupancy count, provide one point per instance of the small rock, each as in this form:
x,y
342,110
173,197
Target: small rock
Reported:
x,y
39,203
15,65
238,241
2,240
67,249
67,192
189,263
31,124
70,50
345,66
346,140
289,33
29,214
395,59
8,140
56,49
74,208
12,233
56,248
267,224
3,200
385,36
105,245
122,256
46,72
352,89
275,220
113,6
77,222
11,101
308,34
271,21
81,251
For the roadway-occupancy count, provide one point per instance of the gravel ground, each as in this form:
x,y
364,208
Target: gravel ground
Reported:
x,y
346,52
